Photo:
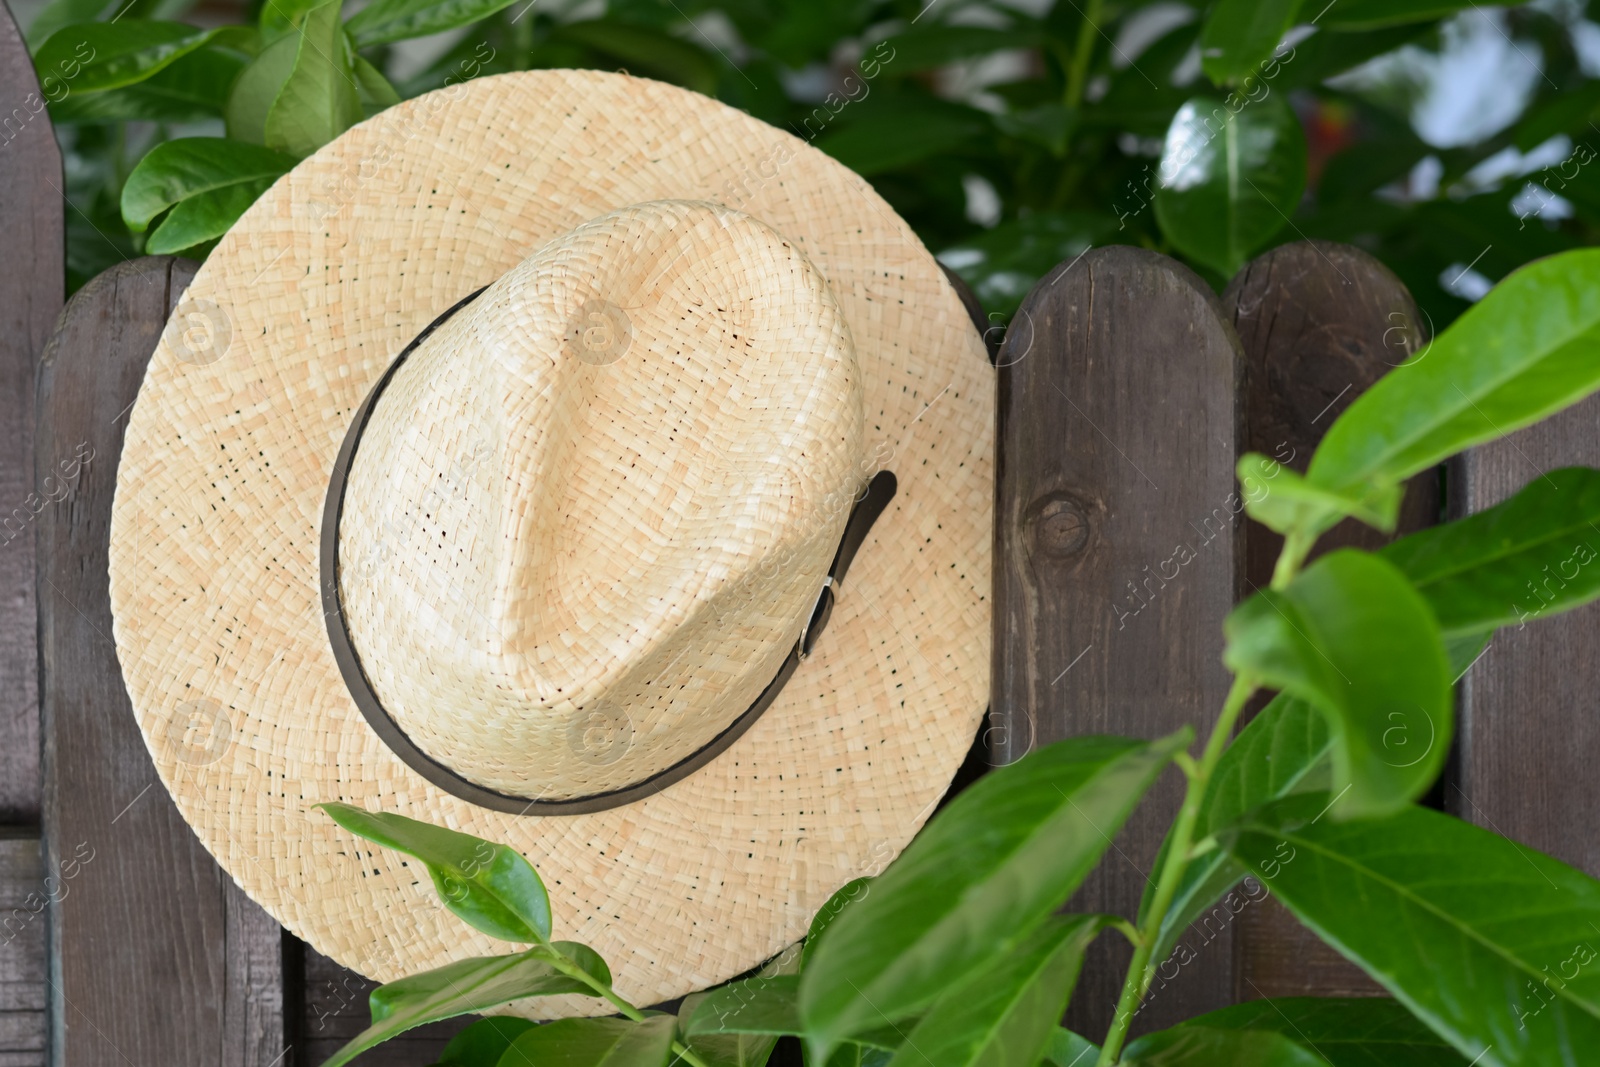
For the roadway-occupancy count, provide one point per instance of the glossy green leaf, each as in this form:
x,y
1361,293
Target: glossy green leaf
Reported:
x,y
1282,500
1241,35
1324,55
1285,750
1005,1015
395,20
1525,351
1371,14
1490,943
203,218
596,1043
319,100
1352,637
484,1042
174,171
93,56
980,876
458,989
1525,558
1067,1049
188,90
1203,1046
1342,1032
488,886
279,17
1230,177
842,898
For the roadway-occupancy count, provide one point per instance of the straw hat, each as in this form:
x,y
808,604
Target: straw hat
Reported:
x,y
501,467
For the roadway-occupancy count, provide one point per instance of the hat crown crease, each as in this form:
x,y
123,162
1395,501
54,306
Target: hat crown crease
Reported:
x,y
590,513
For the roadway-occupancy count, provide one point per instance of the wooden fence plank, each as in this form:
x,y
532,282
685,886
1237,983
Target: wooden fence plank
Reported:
x,y
1530,707
1117,554
1319,322
154,958
23,901
31,284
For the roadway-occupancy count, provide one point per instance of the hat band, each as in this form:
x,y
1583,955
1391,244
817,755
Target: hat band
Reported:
x,y
866,511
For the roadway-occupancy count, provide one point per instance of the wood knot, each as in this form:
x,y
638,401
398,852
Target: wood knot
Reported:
x,y
1060,527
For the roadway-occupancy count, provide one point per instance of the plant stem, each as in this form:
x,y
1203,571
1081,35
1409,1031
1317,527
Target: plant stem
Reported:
x,y
572,970
1295,548
1082,51
1140,972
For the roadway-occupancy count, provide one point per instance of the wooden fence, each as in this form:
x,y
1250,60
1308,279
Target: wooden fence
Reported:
x,y
1127,389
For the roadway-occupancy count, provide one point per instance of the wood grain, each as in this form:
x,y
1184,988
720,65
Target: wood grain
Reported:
x,y
31,285
1320,323
1529,724
1118,430
155,957
23,901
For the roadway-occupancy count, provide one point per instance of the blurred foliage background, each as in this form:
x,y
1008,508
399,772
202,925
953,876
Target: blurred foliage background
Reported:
x,y
1452,140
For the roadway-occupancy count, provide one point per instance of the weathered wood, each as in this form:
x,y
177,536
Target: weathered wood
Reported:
x,y
1529,721
1117,554
1320,322
155,957
23,900
31,283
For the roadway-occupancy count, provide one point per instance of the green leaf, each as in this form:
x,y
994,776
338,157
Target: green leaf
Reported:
x,y
596,1043
1067,1049
188,90
488,886
975,882
1526,558
257,87
1285,750
395,20
1488,942
1240,35
203,218
1280,499
460,988
752,1006
651,51
1342,1032
1525,351
484,1042
319,99
58,13
279,17
721,1048
374,89
1351,636
896,134
1371,14
1006,1014
842,898
1230,177
174,171
1202,1046
93,56
1463,651
1049,126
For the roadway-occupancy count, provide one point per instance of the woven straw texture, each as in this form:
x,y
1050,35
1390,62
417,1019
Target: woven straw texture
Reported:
x,y
642,531
214,561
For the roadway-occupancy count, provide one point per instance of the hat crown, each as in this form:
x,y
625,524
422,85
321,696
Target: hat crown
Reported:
x,y
590,513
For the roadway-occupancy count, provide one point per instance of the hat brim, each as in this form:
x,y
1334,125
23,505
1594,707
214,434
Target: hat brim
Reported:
x,y
214,540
